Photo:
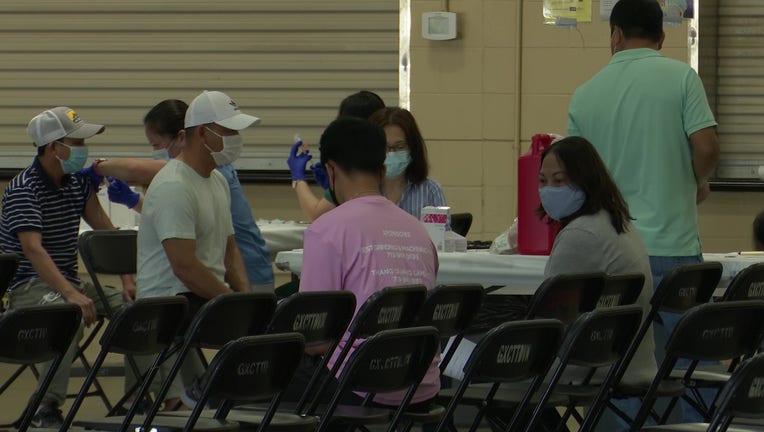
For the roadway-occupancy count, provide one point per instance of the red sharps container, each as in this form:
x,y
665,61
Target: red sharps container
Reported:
x,y
534,236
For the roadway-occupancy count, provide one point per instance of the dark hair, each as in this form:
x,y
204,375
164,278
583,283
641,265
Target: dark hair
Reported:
x,y
418,169
355,145
587,172
361,104
166,117
758,230
639,19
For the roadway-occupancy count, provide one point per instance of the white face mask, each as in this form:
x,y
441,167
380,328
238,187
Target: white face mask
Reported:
x,y
232,147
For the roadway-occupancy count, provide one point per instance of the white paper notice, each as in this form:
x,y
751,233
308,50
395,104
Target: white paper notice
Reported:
x,y
606,6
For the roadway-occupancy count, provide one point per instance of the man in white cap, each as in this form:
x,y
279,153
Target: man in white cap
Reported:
x,y
186,242
42,207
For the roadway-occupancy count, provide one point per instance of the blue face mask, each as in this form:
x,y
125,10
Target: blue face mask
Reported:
x,y
160,154
396,163
77,158
561,202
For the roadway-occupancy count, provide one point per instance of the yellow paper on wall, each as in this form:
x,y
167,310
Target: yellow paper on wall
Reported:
x,y
580,10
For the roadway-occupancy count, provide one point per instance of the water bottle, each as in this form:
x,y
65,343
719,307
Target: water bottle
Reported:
x,y
534,236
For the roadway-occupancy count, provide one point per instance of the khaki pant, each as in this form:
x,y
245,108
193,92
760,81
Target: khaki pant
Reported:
x,y
38,292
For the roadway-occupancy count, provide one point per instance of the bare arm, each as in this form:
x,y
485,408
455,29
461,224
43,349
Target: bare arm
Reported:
x,y
130,170
705,155
311,206
186,267
235,272
31,245
97,218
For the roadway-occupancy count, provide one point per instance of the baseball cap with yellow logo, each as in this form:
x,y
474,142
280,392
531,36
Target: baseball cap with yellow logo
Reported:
x,y
60,122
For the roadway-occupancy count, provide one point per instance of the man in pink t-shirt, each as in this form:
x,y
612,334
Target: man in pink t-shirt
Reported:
x,y
367,242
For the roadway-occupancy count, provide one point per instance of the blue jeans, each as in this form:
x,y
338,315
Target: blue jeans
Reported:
x,y
659,267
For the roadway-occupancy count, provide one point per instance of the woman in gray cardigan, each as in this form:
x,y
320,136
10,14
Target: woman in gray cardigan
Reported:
x,y
577,191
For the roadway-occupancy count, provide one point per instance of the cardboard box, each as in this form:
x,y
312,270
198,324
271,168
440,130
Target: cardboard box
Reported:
x,y
435,220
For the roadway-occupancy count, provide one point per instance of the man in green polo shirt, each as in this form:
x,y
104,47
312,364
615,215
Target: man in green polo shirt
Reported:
x,y
650,121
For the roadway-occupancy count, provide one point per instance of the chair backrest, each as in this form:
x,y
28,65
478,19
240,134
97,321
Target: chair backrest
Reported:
x,y
450,308
109,251
145,326
687,286
253,368
743,395
512,351
748,284
391,308
566,296
515,351
391,360
718,331
9,263
597,339
112,252
230,316
38,333
218,321
713,331
461,223
621,289
320,316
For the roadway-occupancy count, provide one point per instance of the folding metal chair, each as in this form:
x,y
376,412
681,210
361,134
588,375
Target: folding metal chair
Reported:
x,y
596,340
37,334
220,320
680,290
146,326
106,252
388,361
621,289
391,308
461,223
512,352
249,369
748,284
715,331
322,318
450,309
617,290
742,396
563,297
9,263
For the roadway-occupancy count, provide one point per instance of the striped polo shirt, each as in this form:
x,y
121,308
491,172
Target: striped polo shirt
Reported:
x,y
32,202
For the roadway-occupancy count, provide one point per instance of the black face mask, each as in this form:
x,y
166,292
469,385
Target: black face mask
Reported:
x,y
335,201
334,197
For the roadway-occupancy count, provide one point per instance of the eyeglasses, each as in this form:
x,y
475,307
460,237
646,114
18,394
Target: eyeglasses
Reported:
x,y
399,146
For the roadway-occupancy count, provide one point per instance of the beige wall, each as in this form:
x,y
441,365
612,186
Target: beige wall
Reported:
x,y
463,94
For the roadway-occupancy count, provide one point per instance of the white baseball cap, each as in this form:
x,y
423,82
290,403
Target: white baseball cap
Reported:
x,y
217,107
60,122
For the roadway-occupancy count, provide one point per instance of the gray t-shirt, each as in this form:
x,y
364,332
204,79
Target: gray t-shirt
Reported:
x,y
589,243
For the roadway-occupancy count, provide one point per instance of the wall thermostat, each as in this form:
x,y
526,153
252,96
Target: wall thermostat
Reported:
x,y
439,25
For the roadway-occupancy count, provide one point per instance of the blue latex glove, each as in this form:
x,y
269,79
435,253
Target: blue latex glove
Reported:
x,y
319,173
297,163
95,178
119,192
